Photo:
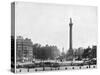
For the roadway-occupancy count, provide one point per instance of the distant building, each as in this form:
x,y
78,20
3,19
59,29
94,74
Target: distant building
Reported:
x,y
94,51
27,49
78,52
63,53
19,49
24,50
62,56
94,47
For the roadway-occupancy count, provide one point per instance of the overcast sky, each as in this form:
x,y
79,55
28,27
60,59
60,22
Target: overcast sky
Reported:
x,y
49,24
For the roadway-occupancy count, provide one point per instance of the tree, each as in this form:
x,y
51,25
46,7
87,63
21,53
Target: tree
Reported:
x,y
45,52
90,52
86,52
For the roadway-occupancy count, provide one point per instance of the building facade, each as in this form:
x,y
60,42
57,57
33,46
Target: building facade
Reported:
x,y
24,49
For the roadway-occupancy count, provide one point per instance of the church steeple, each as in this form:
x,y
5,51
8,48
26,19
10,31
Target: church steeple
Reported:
x,y
62,49
63,53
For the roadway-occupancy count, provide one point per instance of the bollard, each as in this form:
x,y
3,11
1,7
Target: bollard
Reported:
x,y
28,70
66,68
43,69
20,70
80,67
87,67
58,68
35,69
51,68
93,66
72,67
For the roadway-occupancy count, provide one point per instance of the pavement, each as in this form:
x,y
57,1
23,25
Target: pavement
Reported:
x,y
22,70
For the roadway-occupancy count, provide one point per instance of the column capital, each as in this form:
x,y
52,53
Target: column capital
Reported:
x,y
70,22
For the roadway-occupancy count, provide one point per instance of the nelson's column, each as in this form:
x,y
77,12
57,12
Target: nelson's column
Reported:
x,y
69,55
